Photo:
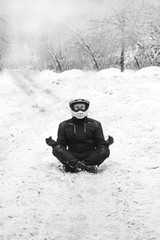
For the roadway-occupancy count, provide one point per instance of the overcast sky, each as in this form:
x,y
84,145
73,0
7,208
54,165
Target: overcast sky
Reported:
x,y
36,15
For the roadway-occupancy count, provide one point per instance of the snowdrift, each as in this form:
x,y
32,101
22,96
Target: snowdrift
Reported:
x,y
39,200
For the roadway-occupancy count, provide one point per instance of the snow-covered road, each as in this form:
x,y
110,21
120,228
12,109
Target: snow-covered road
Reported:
x,y
41,202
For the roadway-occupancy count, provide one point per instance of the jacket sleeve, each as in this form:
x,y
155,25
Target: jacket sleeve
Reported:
x,y
61,135
99,136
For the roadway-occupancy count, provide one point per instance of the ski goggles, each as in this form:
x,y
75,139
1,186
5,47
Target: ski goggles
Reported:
x,y
76,107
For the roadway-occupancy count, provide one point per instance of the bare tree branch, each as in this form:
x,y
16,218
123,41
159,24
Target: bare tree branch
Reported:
x,y
56,59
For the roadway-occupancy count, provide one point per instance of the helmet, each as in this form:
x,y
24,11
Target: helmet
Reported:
x,y
79,108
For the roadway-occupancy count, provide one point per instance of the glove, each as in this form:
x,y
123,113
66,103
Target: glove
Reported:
x,y
109,141
50,142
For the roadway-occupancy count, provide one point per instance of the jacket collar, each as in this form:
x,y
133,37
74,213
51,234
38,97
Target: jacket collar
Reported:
x,y
79,121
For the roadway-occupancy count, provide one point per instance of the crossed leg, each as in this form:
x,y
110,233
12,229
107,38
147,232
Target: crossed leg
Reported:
x,y
70,159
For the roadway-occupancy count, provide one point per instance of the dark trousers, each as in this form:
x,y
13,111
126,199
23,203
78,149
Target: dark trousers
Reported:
x,y
95,157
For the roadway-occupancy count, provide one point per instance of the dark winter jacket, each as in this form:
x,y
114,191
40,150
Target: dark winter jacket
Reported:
x,y
80,135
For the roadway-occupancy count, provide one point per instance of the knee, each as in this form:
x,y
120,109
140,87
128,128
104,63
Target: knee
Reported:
x,y
105,151
57,149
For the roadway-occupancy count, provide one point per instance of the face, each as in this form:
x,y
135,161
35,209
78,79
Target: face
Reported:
x,y
79,106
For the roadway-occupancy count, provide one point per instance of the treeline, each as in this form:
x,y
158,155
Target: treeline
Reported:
x,y
127,39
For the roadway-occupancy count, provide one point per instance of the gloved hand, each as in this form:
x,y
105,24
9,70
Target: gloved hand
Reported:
x,y
109,141
50,142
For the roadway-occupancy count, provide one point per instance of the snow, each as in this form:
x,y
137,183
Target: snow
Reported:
x,y
41,202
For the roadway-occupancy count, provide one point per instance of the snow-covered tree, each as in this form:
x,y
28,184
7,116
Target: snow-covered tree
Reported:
x,y
148,44
3,40
121,28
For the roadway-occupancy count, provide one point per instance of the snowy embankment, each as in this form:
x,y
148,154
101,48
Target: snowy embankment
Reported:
x,y
38,200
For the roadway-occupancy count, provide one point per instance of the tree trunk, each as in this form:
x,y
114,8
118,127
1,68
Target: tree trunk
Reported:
x,y
137,62
59,68
58,64
122,59
95,66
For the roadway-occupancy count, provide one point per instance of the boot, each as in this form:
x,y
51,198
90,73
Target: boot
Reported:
x,y
82,166
67,168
